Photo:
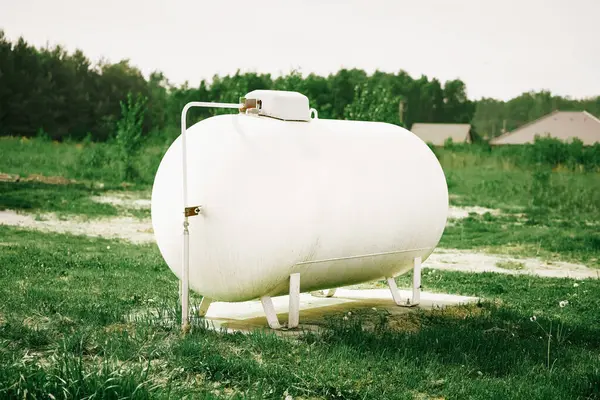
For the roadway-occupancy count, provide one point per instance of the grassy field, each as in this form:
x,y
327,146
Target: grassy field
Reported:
x,y
549,213
64,331
95,318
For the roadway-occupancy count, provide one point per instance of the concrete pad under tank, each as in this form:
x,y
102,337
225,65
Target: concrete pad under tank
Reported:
x,y
249,316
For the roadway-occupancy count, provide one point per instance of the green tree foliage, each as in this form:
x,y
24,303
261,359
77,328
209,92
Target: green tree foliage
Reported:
x,y
373,104
457,108
129,133
66,96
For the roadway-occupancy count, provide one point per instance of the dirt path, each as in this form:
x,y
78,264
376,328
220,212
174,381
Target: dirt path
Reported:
x,y
131,229
455,212
473,261
140,231
124,200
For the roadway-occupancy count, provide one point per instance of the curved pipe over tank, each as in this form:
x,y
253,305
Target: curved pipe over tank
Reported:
x,y
184,282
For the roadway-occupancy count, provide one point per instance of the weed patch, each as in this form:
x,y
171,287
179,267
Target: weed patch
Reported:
x,y
511,265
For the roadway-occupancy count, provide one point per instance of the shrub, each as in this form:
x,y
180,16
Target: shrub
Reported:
x,y
540,189
553,152
449,143
93,159
129,134
42,135
548,151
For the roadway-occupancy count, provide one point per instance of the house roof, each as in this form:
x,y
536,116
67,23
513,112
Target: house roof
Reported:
x,y
437,134
563,125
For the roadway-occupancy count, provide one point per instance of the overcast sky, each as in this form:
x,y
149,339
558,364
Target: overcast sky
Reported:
x,y
500,48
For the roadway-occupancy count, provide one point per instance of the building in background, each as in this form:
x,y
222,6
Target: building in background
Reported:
x,y
437,134
563,125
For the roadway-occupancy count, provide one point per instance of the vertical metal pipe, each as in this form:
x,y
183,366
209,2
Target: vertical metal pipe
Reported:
x,y
184,295
185,289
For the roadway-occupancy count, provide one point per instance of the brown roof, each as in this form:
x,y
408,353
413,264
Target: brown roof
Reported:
x,y
437,134
563,125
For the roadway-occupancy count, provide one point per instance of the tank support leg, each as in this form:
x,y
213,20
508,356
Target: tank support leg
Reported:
x,y
329,293
395,293
204,304
267,304
416,289
294,306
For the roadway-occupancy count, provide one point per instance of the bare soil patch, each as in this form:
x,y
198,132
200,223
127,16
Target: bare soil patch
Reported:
x,y
128,228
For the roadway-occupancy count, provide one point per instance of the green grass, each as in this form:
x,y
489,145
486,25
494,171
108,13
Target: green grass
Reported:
x,y
34,156
80,161
62,199
65,330
516,190
92,165
67,200
563,240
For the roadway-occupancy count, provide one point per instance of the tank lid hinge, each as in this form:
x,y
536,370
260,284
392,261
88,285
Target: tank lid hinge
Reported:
x,y
252,106
192,211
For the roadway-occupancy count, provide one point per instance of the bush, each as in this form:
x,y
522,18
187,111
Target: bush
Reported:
x,y
541,189
548,151
449,143
93,159
129,134
553,152
42,135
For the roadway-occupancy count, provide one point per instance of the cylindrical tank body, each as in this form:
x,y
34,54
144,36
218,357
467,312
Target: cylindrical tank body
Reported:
x,y
340,202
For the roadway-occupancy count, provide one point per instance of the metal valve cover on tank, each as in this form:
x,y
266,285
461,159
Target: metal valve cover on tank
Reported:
x,y
277,195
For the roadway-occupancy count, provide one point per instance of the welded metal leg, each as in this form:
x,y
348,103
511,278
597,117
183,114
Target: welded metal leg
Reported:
x,y
294,306
267,304
395,293
416,289
204,304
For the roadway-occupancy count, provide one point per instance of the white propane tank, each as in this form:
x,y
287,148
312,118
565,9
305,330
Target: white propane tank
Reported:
x,y
340,202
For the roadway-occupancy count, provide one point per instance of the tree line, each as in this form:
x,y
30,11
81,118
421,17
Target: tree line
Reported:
x,y
55,93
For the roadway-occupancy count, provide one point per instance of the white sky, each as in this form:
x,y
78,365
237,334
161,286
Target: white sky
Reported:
x,y
500,48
